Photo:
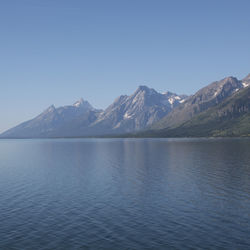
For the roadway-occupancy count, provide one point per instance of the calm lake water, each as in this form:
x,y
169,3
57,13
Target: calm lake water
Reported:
x,y
125,194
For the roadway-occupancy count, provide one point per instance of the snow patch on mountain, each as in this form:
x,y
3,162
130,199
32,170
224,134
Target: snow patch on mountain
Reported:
x,y
245,84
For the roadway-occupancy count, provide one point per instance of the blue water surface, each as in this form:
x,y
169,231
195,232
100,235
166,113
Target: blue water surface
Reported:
x,y
125,194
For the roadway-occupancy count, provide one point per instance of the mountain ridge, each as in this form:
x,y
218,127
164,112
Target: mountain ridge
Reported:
x,y
127,113
144,112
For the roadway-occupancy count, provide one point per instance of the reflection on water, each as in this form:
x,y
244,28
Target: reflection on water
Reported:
x,y
125,194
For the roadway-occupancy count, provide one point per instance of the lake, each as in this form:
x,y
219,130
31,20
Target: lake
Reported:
x,y
125,194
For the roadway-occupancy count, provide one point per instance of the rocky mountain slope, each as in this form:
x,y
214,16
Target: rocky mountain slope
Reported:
x,y
207,97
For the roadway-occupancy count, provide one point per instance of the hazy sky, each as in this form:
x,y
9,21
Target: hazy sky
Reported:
x,y
56,51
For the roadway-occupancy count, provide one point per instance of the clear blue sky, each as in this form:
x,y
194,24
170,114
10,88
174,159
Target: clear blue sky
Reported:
x,y
56,51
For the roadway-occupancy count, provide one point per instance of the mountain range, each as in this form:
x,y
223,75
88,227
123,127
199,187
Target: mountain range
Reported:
x,y
219,109
126,114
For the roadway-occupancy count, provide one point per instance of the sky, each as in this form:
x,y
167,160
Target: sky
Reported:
x,y
57,51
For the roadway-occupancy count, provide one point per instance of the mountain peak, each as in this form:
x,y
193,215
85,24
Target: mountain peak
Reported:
x,y
82,103
51,108
79,102
229,79
144,88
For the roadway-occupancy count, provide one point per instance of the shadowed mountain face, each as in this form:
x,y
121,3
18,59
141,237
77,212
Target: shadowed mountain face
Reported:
x,y
126,114
205,98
